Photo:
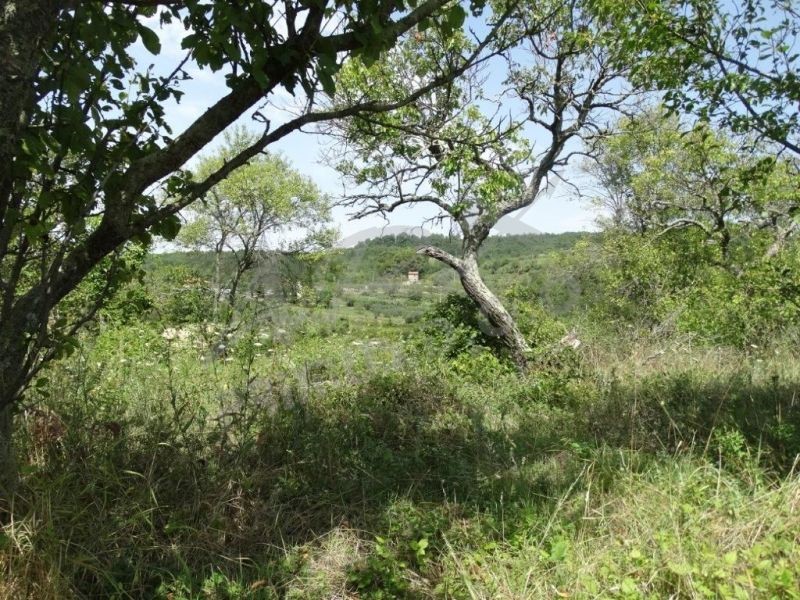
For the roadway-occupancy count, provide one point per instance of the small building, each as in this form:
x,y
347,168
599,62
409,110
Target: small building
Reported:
x,y
413,277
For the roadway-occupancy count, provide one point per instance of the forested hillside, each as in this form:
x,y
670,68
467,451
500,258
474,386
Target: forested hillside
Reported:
x,y
388,259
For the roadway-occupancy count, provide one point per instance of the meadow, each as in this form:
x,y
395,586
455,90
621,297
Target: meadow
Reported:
x,y
370,445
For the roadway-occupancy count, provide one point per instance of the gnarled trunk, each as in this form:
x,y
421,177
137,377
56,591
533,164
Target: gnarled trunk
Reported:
x,y
12,382
502,321
8,463
499,318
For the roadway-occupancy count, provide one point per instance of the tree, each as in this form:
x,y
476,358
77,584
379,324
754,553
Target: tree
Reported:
x,y
88,156
661,176
446,150
238,215
704,236
733,63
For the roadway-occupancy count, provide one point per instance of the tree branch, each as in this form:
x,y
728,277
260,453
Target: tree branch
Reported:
x,y
442,256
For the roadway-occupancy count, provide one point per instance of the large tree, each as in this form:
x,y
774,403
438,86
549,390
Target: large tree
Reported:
x,y
242,216
477,158
702,235
88,156
659,176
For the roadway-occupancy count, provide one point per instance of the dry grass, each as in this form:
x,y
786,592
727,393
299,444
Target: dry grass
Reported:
x,y
683,530
639,474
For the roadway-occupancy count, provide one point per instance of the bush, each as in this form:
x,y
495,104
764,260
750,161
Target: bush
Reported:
x,y
454,326
673,283
182,295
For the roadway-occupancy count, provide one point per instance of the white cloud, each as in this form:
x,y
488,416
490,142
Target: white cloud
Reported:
x,y
170,34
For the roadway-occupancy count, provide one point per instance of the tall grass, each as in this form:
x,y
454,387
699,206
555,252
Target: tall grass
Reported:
x,y
327,466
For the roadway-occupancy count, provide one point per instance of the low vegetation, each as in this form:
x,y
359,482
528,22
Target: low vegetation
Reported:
x,y
345,450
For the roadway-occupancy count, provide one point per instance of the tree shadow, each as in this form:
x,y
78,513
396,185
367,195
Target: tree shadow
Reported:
x,y
155,505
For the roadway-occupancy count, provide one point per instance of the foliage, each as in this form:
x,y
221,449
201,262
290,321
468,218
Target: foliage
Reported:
x,y
245,214
672,284
731,63
383,257
115,292
657,176
181,295
263,198
330,479
92,162
454,325
363,436
702,238
449,150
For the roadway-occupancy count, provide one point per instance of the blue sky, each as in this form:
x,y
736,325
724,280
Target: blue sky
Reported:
x,y
556,211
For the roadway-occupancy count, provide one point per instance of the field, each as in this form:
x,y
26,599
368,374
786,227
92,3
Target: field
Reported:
x,y
363,446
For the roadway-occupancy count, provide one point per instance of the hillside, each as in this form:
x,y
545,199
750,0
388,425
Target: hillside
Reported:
x,y
390,257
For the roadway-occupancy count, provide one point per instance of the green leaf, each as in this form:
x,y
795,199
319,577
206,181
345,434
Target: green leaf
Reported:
x,y
190,41
326,68
260,77
168,228
150,40
628,586
456,16
328,84
558,550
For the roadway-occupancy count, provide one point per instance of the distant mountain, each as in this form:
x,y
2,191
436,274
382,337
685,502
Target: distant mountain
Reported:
x,y
506,226
512,226
376,232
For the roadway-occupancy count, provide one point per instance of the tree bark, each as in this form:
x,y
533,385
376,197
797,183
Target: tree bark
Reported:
x,y
12,359
504,326
24,25
8,463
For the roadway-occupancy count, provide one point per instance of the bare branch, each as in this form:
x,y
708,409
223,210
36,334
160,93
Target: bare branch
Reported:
x,y
442,256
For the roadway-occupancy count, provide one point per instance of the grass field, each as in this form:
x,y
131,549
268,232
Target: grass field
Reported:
x,y
327,453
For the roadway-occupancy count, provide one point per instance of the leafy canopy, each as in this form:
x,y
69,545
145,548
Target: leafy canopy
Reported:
x,y
263,198
731,62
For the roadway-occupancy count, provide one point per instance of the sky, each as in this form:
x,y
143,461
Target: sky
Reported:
x,y
555,211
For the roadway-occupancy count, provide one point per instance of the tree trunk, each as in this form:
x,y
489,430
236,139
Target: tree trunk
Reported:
x,y
12,383
504,326
8,463
217,281
24,26
502,321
